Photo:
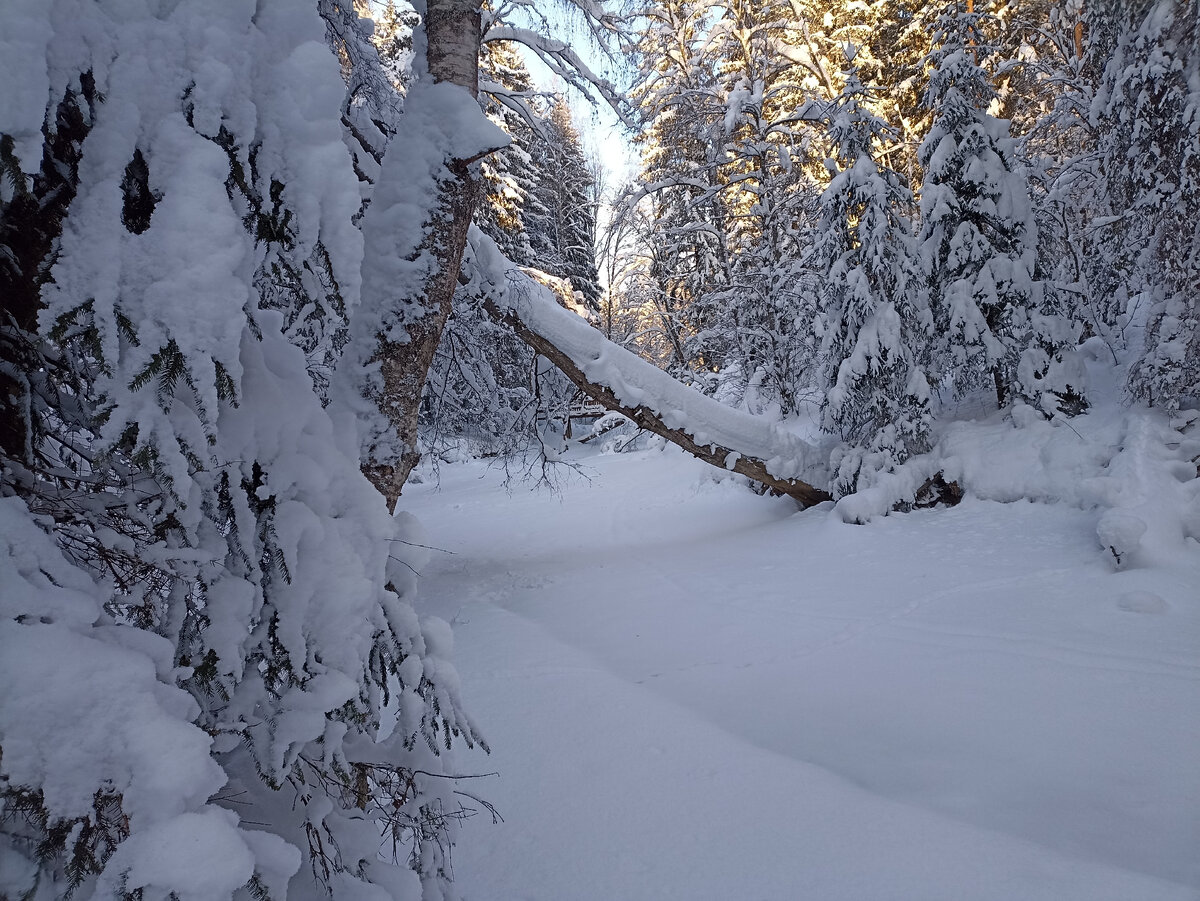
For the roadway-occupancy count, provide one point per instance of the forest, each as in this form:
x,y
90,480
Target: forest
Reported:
x,y
397,502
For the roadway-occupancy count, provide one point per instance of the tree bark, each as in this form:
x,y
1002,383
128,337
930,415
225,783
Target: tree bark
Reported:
x,y
722,457
452,35
452,29
404,368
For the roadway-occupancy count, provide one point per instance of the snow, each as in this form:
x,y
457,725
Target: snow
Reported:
x,y
262,76
23,72
696,693
442,122
1136,467
202,851
85,712
692,691
303,145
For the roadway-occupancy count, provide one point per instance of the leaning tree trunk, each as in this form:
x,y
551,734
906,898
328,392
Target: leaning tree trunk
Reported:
x,y
620,380
452,29
652,420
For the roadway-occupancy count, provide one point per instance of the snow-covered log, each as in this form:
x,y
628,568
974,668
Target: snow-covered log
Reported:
x,y
624,382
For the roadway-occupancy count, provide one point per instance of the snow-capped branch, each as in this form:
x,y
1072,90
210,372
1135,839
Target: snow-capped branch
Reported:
x,y
622,381
564,62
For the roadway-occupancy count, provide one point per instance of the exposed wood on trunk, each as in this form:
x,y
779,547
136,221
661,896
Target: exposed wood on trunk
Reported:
x,y
1079,30
974,49
650,420
1001,392
936,490
452,29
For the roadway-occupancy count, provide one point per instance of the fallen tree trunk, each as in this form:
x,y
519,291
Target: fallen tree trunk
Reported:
x,y
622,381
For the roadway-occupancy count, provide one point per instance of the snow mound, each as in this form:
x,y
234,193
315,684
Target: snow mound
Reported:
x,y
87,716
1135,466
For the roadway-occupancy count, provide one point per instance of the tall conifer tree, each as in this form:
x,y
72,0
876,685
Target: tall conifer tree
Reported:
x,y
977,229
874,312
1150,152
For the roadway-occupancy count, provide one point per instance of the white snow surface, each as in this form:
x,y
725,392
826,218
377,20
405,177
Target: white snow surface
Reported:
x,y
692,692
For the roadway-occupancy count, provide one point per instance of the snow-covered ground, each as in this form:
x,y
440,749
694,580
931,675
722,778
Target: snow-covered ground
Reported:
x,y
692,692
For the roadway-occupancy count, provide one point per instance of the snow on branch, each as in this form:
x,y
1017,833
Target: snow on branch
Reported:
x,y
520,102
622,381
564,62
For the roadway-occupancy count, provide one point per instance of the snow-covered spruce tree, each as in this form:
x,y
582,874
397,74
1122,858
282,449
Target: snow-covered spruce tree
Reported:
x,y
725,93
895,45
978,234
875,318
393,39
561,218
559,195
1054,73
226,614
507,96
31,210
1105,260
1146,111
1077,163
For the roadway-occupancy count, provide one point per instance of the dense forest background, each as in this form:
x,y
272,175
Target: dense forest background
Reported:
x,y
256,260
863,210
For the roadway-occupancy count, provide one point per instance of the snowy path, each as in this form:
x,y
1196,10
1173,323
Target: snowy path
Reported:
x,y
695,693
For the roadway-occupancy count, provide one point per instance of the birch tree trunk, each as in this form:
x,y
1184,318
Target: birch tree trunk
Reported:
x,y
452,30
